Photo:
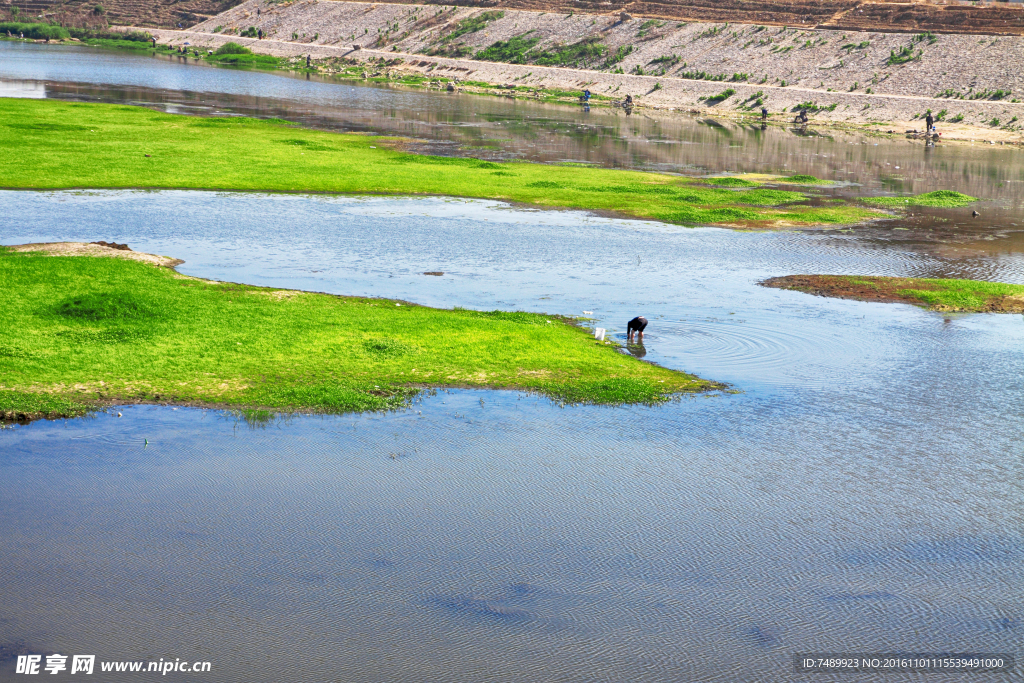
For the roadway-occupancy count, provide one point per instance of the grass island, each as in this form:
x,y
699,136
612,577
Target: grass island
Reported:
x,y
83,326
965,296
64,145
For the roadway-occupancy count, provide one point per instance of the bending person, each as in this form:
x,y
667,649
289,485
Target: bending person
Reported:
x,y
636,325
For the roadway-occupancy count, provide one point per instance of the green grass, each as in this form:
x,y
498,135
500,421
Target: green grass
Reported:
x,y
947,199
76,330
959,295
729,181
36,31
116,44
511,51
585,51
76,145
472,25
967,296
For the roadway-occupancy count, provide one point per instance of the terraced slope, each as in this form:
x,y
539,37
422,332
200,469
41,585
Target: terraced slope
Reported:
x,y
997,18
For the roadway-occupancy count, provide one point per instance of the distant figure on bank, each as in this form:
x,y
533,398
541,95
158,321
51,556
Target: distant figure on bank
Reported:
x,y
629,100
308,60
259,34
802,118
930,122
586,95
154,42
764,113
636,325
257,11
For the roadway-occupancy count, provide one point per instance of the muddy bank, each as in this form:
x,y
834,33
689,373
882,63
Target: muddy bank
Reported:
x,y
941,295
888,79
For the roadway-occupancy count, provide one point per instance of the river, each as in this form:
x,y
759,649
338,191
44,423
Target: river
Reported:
x,y
858,489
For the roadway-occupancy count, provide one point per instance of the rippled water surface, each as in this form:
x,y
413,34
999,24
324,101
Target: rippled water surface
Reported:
x,y
862,491
498,128
859,489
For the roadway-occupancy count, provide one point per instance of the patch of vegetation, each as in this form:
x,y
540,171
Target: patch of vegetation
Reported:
x,y
702,76
218,153
803,179
710,32
232,49
472,24
969,296
721,97
905,54
863,45
251,32
813,107
989,95
233,53
35,31
511,51
665,61
18,406
730,181
648,26
948,199
260,348
585,52
620,54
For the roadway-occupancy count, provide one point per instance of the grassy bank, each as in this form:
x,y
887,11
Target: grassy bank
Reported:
x,y
970,296
945,199
52,144
81,330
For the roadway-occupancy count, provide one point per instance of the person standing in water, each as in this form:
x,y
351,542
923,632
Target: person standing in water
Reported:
x,y
636,325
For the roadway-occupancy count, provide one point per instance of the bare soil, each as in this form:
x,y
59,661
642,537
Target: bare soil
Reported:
x,y
111,249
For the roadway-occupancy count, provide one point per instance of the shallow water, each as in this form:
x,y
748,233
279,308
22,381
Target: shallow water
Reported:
x,y
497,128
862,492
493,127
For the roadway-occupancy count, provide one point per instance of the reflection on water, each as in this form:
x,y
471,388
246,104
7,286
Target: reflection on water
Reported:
x,y
492,127
861,493
696,286
515,541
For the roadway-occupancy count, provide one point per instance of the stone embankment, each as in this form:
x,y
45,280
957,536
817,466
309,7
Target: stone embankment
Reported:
x,y
842,76
950,16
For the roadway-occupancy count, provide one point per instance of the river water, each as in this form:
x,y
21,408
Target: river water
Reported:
x,y
860,491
